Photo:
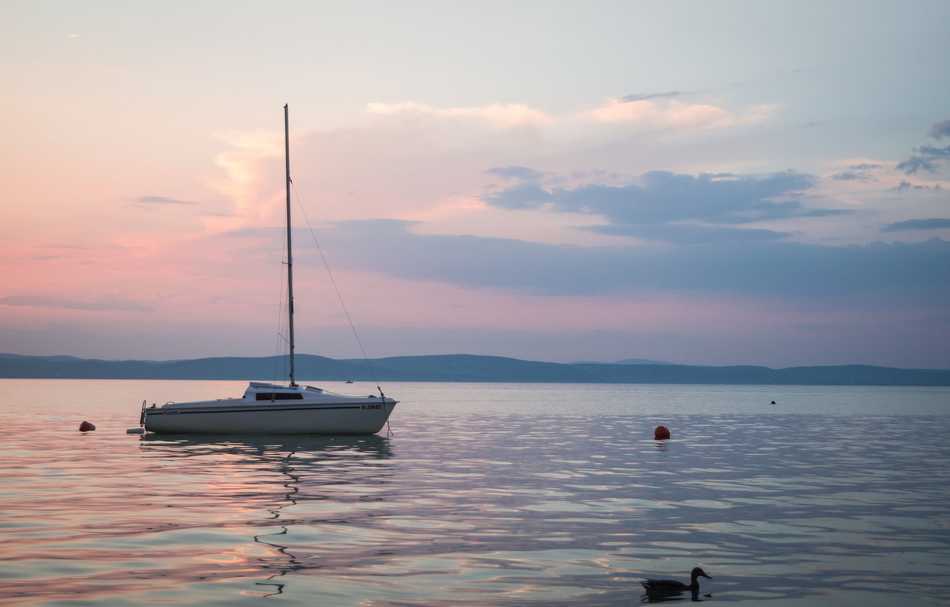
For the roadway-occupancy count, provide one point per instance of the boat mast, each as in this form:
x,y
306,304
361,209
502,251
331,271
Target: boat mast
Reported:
x,y
290,263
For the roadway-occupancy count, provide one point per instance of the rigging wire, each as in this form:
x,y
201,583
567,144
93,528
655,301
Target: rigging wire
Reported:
x,y
299,200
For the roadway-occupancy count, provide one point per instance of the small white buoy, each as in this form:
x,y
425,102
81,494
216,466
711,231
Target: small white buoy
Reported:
x,y
135,431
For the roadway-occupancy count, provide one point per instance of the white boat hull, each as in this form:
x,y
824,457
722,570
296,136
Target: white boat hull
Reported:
x,y
238,416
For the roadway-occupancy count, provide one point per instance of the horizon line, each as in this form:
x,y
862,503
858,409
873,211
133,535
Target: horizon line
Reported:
x,y
459,354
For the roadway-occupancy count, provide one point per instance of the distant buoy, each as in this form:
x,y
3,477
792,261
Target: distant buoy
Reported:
x,y
661,433
87,427
773,402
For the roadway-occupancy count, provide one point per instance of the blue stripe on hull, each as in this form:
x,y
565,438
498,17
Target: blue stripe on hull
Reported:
x,y
150,412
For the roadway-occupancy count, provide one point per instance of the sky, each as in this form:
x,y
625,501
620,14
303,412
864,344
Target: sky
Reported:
x,y
707,183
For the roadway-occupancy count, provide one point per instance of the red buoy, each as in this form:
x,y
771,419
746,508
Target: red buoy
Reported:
x,y
661,433
87,427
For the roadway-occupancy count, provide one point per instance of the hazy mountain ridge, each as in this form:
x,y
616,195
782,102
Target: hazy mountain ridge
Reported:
x,y
459,367
625,361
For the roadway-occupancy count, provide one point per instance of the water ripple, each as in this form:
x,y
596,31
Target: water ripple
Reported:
x,y
473,509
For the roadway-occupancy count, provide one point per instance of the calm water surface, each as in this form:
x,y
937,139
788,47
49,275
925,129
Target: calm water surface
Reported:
x,y
484,494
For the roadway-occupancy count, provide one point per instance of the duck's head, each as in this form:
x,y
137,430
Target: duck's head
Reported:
x,y
698,572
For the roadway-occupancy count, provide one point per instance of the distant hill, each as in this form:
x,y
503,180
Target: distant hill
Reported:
x,y
641,361
626,361
461,367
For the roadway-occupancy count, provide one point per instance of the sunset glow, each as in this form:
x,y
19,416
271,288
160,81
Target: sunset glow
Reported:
x,y
479,185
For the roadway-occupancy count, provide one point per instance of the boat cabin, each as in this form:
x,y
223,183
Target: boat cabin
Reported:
x,y
271,392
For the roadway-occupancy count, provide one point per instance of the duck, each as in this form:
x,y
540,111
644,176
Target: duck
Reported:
x,y
670,587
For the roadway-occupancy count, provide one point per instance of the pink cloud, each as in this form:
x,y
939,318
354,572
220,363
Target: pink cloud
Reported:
x,y
503,115
675,114
174,265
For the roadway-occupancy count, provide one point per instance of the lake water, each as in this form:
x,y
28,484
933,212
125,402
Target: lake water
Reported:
x,y
484,494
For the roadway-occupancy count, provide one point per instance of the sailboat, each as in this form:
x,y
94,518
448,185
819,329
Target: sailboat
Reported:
x,y
268,408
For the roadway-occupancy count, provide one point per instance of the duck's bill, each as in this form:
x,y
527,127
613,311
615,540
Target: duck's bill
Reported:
x,y
708,577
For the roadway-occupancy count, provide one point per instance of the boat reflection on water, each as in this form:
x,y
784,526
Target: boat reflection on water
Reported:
x,y
264,476
265,446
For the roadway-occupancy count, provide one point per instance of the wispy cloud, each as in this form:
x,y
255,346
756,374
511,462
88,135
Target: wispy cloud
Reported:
x,y
851,176
45,301
940,129
905,186
917,224
161,200
862,171
505,115
917,163
927,157
515,172
770,266
661,111
651,110
690,234
661,197
521,196
645,96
